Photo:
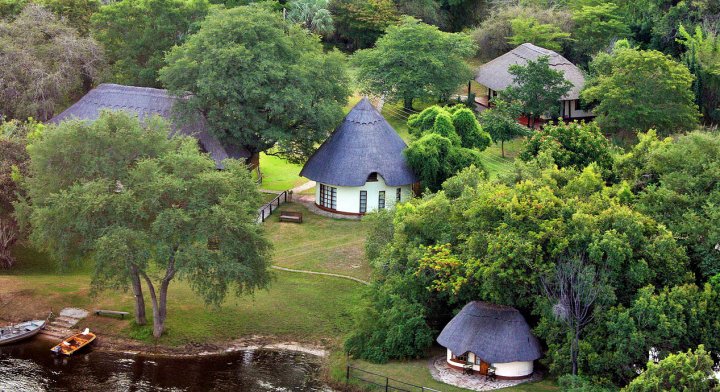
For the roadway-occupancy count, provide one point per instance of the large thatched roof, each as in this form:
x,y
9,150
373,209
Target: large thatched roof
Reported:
x,y
147,102
495,333
494,74
363,144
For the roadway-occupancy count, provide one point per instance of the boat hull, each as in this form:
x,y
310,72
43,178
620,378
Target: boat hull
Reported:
x,y
21,331
74,344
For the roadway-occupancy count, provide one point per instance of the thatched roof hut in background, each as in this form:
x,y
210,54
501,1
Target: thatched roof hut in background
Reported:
x,y
146,102
488,335
495,76
361,166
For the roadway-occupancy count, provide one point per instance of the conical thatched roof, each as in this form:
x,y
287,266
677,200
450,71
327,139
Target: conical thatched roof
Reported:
x,y
495,333
364,143
494,74
146,102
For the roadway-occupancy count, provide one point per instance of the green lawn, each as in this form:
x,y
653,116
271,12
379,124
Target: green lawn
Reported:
x,y
319,244
296,307
279,174
495,163
417,372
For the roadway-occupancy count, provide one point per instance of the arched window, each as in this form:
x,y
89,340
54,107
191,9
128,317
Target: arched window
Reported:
x,y
372,177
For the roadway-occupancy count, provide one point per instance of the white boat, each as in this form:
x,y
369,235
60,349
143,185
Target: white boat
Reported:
x,y
17,332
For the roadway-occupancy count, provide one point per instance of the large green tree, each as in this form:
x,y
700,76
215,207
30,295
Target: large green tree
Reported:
x,y
260,82
676,181
361,22
536,89
636,90
312,14
136,34
529,29
691,371
153,209
597,24
574,144
44,64
414,60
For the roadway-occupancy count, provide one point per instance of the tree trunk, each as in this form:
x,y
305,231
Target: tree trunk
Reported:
x,y
502,148
140,318
574,348
407,103
159,305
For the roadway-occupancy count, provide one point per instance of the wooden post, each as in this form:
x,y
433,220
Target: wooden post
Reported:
x,y
387,384
262,214
469,87
347,375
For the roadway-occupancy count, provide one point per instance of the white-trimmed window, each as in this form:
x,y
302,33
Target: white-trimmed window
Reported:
x,y
381,199
398,195
363,202
328,196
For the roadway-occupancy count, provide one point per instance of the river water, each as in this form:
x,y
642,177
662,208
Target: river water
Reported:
x,y
30,367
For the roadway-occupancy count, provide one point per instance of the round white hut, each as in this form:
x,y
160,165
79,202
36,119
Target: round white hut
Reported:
x,y
486,336
361,166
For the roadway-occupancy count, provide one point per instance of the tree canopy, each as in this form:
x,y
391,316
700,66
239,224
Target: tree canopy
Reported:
x,y
154,209
637,90
414,60
43,64
536,88
259,81
137,33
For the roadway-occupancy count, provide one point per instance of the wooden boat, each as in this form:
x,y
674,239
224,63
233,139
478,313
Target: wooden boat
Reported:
x,y
21,331
74,343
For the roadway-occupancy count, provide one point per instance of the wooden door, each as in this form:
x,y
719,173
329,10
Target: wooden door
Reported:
x,y
484,368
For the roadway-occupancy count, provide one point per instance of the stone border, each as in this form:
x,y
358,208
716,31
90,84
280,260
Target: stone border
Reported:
x,y
442,372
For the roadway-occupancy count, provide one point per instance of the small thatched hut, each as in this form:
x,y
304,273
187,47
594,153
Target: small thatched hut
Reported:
x,y
361,166
485,336
146,102
494,76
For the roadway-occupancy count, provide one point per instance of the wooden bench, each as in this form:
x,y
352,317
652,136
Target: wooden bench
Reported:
x,y
102,312
290,216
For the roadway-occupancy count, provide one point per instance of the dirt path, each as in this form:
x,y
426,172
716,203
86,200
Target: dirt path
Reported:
x,y
321,273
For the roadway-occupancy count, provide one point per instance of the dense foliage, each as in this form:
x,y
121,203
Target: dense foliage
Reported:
x,y
259,81
414,60
691,371
44,64
536,89
154,209
574,145
448,140
137,33
636,90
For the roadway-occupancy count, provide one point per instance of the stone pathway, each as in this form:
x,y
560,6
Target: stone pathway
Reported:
x,y
320,273
309,202
440,371
62,326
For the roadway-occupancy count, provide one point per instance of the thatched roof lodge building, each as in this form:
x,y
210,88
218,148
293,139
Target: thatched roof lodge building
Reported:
x,y
494,76
361,166
146,102
485,336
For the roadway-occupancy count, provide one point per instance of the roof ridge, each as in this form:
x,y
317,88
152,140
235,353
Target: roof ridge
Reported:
x,y
137,90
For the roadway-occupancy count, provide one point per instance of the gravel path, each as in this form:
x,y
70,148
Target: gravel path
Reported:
x,y
441,371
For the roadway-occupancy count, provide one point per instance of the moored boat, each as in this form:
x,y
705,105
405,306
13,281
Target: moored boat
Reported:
x,y
17,332
74,343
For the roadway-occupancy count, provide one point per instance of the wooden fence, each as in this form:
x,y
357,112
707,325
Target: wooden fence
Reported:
x,y
379,382
267,209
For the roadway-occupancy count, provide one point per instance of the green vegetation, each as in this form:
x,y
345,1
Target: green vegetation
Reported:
x,y
261,82
319,244
45,63
414,60
279,174
137,33
153,209
295,307
638,90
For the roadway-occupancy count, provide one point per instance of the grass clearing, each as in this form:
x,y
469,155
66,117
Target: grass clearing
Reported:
x,y
319,244
417,372
495,163
279,174
297,307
